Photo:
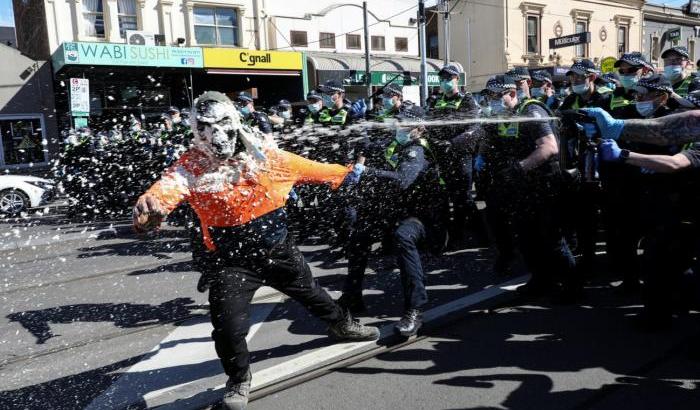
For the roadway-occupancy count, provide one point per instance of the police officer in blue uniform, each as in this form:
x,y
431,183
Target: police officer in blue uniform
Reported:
x,y
252,117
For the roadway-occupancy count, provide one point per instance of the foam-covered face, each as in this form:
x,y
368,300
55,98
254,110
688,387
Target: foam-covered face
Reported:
x,y
216,127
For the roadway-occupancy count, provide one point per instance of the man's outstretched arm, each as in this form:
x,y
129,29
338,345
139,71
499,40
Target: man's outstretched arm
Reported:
x,y
676,129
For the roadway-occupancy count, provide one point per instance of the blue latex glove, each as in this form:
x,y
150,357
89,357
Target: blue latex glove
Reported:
x,y
610,128
647,171
353,176
609,150
479,163
590,130
358,109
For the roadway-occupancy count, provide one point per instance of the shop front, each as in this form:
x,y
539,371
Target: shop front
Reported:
x,y
122,80
268,75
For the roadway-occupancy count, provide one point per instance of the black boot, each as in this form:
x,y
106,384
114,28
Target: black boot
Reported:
x,y
236,393
350,329
409,324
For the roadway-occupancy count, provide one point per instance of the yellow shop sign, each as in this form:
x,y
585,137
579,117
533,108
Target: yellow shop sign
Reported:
x,y
252,59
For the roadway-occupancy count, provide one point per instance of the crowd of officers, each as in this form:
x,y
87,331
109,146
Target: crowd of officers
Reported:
x,y
554,192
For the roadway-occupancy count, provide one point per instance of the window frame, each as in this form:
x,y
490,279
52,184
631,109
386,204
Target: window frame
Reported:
x,y
216,26
120,15
83,13
359,41
655,47
538,34
371,41
691,49
626,29
582,47
396,47
44,140
329,36
291,38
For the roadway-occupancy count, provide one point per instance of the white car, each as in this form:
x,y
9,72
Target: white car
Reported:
x,y
21,192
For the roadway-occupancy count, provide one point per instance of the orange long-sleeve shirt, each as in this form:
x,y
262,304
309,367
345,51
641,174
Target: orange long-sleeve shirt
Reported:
x,y
222,200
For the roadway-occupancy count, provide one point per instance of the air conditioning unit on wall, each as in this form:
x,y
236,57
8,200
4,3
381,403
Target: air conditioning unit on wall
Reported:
x,y
140,38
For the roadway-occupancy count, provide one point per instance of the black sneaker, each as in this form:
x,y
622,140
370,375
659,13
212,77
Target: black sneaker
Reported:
x,y
350,329
410,323
353,302
236,393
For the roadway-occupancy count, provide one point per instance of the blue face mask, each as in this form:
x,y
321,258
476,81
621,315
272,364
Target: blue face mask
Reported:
x,y
645,108
486,111
388,103
328,101
522,96
403,136
286,115
580,89
673,72
629,81
245,111
314,108
497,107
612,86
537,92
447,86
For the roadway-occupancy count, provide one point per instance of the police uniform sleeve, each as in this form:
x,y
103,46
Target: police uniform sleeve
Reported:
x,y
693,155
412,163
537,129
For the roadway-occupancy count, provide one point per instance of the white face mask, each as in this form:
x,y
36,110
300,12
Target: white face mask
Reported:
x,y
403,136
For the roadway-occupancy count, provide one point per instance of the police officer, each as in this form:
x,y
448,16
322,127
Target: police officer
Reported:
x,y
281,117
677,68
391,102
583,76
400,190
631,67
456,165
523,81
310,113
252,117
335,106
522,166
543,89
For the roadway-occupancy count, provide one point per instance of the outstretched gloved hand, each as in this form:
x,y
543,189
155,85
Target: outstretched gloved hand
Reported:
x,y
610,128
479,163
609,150
358,109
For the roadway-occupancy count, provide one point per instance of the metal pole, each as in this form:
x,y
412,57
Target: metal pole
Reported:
x,y
368,75
421,42
446,29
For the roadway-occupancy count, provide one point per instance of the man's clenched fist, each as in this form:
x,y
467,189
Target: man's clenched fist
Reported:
x,y
148,213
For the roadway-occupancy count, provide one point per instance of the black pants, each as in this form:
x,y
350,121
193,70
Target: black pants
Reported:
x,y
531,214
408,236
271,259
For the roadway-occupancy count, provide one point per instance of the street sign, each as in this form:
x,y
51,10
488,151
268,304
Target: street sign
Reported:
x,y
80,122
674,34
80,97
572,40
607,65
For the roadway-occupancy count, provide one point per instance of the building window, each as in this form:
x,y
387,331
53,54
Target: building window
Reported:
x,y
298,38
378,43
401,44
622,32
353,41
22,141
216,26
326,40
533,34
581,49
93,18
655,51
691,49
126,11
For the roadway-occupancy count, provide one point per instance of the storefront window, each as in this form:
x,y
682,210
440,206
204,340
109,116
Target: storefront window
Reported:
x,y
216,26
22,141
126,10
93,18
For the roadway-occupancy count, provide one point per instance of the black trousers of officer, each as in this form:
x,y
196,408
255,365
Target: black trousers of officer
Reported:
x,y
408,237
268,257
531,214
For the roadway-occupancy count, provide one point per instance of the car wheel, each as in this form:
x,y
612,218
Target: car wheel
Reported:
x,y
13,201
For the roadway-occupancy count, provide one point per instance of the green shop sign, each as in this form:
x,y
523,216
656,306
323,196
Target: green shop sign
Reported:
x,y
127,55
379,78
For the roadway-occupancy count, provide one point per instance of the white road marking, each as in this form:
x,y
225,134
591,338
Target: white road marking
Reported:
x,y
183,357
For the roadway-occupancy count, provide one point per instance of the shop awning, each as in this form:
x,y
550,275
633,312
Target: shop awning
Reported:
x,y
351,67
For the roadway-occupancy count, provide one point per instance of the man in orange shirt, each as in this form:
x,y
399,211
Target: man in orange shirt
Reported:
x,y
238,193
